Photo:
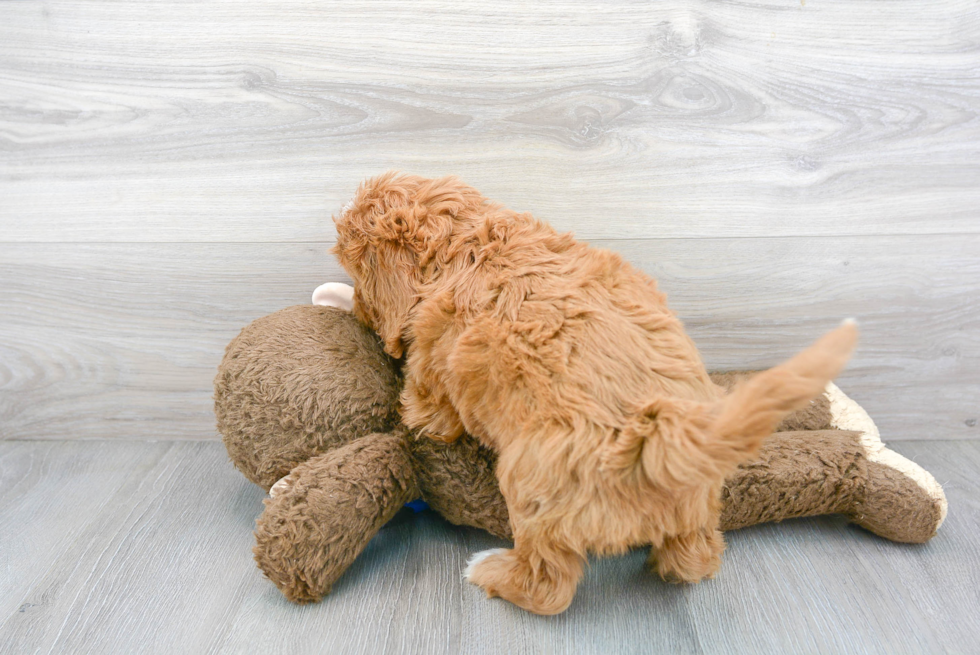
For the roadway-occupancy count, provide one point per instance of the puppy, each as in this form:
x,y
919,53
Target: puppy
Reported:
x,y
567,362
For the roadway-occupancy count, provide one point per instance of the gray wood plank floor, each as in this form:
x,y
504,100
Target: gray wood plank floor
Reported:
x,y
125,547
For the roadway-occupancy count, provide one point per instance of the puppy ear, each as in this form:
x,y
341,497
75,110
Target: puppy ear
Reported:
x,y
395,294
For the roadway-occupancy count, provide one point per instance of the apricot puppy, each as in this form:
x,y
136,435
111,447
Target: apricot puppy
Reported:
x,y
567,362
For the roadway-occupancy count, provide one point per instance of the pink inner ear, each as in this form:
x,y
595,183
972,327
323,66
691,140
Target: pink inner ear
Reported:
x,y
334,294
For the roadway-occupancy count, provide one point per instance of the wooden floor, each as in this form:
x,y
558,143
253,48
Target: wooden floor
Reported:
x,y
167,174
129,547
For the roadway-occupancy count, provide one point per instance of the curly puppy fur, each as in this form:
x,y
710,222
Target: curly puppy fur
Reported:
x,y
567,362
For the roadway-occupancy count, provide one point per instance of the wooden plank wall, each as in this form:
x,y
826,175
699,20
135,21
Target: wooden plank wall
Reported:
x,y
168,171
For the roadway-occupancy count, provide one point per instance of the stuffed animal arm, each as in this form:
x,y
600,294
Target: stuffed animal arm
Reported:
x,y
307,404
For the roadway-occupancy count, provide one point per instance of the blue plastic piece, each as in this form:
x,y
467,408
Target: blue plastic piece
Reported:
x,y
417,505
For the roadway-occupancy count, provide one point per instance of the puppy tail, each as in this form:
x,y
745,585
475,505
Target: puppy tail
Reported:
x,y
680,442
754,408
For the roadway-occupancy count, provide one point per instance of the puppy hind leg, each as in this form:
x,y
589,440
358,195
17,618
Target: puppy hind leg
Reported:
x,y
689,557
540,582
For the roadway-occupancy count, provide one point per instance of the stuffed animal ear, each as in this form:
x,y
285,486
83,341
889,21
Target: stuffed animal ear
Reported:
x,y
334,294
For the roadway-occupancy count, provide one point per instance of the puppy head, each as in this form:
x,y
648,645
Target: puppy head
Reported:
x,y
389,237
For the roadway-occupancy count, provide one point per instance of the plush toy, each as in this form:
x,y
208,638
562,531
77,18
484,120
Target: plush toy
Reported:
x,y
306,401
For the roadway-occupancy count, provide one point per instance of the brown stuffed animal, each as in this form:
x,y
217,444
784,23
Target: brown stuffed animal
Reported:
x,y
306,402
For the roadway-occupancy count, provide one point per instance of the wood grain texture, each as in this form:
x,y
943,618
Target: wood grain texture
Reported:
x,y
167,173
253,120
116,547
152,564
123,340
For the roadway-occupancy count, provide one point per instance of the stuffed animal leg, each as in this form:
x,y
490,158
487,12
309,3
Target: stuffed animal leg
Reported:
x,y
820,472
322,515
829,459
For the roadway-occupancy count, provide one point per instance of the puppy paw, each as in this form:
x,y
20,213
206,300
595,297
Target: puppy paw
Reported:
x,y
546,589
689,558
471,565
